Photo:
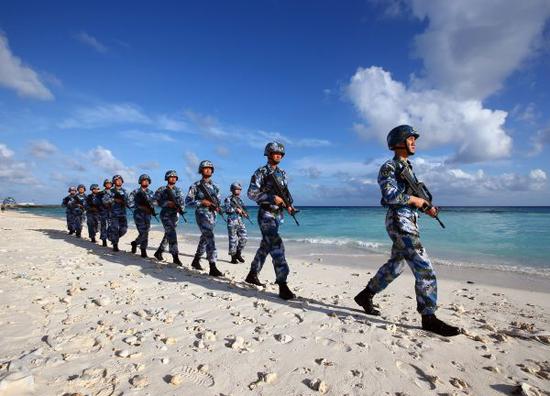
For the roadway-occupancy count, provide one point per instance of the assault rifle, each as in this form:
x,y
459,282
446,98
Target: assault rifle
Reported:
x,y
283,193
77,202
419,190
172,198
119,196
215,204
236,204
144,201
90,201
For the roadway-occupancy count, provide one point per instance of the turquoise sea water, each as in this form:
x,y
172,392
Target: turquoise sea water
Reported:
x,y
510,238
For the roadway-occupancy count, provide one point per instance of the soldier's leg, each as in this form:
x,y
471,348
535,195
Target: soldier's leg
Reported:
x,y
96,224
277,251
145,232
387,273
207,223
242,237
90,223
232,236
172,235
113,229
139,221
264,220
123,225
69,222
103,235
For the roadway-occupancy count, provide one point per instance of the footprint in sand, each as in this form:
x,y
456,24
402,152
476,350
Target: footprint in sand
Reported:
x,y
422,379
186,374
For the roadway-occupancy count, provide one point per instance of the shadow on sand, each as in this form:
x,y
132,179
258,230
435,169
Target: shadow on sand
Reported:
x,y
183,274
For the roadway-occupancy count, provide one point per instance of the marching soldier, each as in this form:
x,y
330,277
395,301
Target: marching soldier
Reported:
x,y
92,205
117,201
236,230
141,200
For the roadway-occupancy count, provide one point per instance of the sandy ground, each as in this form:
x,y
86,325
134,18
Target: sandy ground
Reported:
x,y
78,319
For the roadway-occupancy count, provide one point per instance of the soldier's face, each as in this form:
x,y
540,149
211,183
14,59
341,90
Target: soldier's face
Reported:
x,y
118,182
237,192
276,157
172,180
145,183
108,185
73,192
207,172
411,144
95,190
81,191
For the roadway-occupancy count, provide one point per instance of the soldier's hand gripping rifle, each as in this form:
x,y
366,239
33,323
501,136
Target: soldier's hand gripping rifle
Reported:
x,y
119,198
76,202
245,214
214,202
420,190
172,198
284,194
91,206
144,201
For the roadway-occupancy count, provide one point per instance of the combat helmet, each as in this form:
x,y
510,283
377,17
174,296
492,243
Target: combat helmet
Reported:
x,y
399,134
93,186
117,177
81,186
107,181
236,186
71,188
206,164
144,177
171,173
274,147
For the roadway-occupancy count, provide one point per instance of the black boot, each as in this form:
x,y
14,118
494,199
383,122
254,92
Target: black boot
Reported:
x,y
214,271
104,242
71,232
431,323
239,256
284,292
364,299
196,262
77,234
93,240
144,253
115,247
158,254
234,259
252,278
134,246
177,259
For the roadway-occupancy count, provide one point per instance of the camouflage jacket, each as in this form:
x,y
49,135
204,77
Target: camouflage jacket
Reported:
x,y
195,195
162,197
261,191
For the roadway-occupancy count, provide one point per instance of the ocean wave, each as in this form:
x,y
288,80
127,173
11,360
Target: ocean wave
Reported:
x,y
373,246
525,270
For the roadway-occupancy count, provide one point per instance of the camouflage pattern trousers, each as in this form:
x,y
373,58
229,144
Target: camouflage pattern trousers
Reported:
x,y
407,249
169,220
272,244
206,220
78,218
236,232
143,225
92,219
70,220
104,225
118,225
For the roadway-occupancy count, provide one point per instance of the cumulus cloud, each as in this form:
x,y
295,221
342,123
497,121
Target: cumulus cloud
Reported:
x,y
105,115
476,132
260,138
470,47
19,77
191,164
104,159
12,170
539,140
92,42
42,148
206,124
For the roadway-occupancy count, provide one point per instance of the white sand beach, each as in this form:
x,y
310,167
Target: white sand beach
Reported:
x,y
78,319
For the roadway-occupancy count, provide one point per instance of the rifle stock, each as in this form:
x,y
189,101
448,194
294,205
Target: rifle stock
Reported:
x,y
214,200
284,194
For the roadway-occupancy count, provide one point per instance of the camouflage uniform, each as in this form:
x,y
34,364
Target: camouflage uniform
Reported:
x,y
103,217
402,227
77,211
270,217
92,204
118,223
236,230
169,218
142,217
206,218
68,212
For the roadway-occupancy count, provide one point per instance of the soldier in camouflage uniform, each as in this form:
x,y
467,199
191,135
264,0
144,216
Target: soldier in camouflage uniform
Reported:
x,y
270,216
77,209
205,214
402,227
104,213
141,201
236,230
170,199
117,201
66,204
92,205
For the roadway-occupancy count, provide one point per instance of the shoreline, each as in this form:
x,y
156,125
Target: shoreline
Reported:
x,y
76,317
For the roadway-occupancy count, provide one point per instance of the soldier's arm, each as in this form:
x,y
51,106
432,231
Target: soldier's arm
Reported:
x,y
387,181
191,198
64,202
255,192
179,198
132,199
229,209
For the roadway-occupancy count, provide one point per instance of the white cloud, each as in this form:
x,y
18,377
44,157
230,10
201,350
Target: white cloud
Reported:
x,y
206,124
476,132
150,165
170,124
12,170
105,115
19,77
42,148
539,140
192,164
104,159
92,42
470,47
146,138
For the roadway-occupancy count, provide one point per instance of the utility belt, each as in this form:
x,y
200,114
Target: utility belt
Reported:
x,y
270,208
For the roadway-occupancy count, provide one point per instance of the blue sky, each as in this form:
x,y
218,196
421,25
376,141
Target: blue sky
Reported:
x,y
87,91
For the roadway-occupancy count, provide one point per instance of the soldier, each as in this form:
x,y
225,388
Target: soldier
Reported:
x,y
205,196
270,216
141,200
117,201
77,209
92,205
236,231
104,213
170,199
66,204
401,225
